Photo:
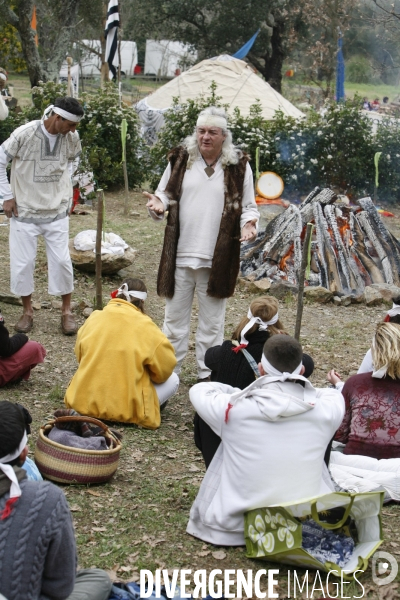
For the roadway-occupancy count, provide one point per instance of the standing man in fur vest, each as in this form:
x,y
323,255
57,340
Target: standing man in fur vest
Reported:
x,y
208,191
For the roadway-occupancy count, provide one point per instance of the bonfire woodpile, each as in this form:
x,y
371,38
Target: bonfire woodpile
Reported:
x,y
351,248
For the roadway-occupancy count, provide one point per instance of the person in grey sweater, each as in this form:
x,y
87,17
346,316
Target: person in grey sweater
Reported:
x,y
37,545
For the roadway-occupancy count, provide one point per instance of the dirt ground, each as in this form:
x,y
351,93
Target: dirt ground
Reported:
x,y
138,520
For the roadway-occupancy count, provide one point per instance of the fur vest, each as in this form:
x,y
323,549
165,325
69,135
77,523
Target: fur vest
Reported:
x,y
226,259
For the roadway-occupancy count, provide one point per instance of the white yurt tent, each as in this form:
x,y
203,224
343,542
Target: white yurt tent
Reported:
x,y
237,84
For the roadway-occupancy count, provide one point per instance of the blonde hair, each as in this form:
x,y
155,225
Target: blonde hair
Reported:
x,y
265,308
230,154
386,349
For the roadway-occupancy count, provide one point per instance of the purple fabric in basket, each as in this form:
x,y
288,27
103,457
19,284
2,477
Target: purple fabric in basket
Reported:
x,y
69,438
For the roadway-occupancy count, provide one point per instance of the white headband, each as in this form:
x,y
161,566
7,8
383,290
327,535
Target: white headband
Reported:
x,y
131,293
63,113
2,76
395,310
15,490
270,370
211,121
262,325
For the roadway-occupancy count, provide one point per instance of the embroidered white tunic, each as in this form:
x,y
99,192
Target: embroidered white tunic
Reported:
x,y
40,178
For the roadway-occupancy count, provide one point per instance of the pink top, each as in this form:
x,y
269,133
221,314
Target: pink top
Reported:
x,y
371,425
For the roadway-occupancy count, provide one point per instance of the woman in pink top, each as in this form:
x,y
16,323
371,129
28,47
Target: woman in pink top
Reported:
x,y
371,425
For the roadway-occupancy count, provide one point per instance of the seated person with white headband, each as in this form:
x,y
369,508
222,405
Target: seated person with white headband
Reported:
x,y
38,202
235,362
371,425
126,363
274,434
38,558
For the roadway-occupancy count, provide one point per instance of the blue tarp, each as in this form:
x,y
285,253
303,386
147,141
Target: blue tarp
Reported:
x,y
244,50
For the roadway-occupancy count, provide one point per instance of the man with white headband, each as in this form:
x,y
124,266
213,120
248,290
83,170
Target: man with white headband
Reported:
x,y
274,435
208,191
38,202
36,531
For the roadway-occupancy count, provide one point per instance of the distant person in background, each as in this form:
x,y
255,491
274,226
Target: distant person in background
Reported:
x,y
385,100
375,105
366,104
3,105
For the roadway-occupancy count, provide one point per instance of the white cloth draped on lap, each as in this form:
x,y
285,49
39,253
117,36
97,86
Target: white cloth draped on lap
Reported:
x,y
365,474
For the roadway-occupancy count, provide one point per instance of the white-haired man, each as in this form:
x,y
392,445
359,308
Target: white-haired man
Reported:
x,y
208,191
38,203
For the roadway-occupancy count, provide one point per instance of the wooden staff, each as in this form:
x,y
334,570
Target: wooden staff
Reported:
x,y
99,290
124,129
304,261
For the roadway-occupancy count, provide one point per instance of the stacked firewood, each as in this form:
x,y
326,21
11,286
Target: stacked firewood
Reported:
x,y
350,248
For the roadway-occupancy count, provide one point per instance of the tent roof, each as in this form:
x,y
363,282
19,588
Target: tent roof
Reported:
x,y
237,84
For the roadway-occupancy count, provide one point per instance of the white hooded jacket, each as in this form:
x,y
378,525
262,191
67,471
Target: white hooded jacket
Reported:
x,y
274,437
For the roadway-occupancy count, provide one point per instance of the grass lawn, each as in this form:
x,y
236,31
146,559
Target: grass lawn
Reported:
x,y
138,520
132,89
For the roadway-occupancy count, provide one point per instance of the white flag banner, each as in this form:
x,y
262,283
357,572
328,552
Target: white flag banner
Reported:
x,y
111,36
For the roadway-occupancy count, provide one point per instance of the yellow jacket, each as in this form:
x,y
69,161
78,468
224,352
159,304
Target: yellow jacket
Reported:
x,y
120,352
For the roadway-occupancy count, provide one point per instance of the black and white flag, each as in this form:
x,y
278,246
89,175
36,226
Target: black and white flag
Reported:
x,y
111,36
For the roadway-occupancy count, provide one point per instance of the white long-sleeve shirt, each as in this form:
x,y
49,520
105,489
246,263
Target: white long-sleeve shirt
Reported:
x,y
43,164
200,211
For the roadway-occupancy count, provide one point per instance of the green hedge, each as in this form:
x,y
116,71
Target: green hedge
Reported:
x,y
334,149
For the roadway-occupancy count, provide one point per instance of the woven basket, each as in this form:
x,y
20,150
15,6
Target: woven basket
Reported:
x,y
74,465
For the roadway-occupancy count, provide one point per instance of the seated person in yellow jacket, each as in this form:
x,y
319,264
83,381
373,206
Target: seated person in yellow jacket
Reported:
x,y
126,363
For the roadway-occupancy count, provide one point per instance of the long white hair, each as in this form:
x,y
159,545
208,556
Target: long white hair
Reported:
x,y
230,154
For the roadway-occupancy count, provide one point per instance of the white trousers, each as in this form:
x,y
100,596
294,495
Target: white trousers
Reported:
x,y
167,389
23,248
178,310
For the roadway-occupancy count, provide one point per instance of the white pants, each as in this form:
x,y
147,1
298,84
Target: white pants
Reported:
x,y
23,247
167,389
178,310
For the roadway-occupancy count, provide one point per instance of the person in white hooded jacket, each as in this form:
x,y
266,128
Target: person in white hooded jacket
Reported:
x,y
274,435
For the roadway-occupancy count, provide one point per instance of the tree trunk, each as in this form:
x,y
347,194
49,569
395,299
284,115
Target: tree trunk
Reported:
x,y
274,62
24,9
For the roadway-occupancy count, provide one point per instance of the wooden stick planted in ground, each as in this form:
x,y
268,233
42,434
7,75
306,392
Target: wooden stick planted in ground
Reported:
x,y
124,129
304,260
99,290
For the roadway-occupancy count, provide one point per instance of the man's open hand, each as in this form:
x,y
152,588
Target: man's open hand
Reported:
x,y
154,203
249,231
10,208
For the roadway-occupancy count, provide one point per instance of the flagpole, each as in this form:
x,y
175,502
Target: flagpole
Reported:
x,y
119,65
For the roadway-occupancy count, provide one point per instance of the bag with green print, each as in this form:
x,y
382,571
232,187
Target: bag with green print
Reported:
x,y
275,533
